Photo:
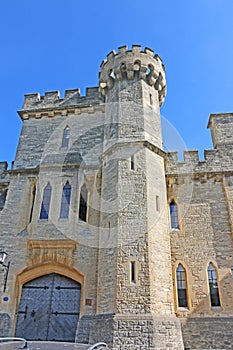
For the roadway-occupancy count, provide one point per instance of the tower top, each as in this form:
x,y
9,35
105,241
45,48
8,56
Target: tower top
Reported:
x,y
132,65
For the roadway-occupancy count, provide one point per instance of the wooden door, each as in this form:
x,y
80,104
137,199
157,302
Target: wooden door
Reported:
x,y
49,309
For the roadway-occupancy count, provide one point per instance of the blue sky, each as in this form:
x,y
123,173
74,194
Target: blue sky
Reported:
x,y
56,45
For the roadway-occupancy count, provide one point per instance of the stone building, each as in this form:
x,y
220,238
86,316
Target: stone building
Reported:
x,y
108,237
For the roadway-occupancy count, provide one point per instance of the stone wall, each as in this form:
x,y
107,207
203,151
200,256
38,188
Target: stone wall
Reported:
x,y
132,332
207,333
204,236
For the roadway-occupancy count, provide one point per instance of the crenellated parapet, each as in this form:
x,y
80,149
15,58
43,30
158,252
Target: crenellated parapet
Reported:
x,y
131,65
216,160
53,102
213,162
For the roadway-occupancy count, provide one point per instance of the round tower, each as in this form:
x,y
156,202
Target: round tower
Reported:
x,y
133,84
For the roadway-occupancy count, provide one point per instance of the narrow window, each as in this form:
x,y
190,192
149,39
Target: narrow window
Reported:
x,y
132,164
132,272
32,203
157,203
44,213
213,286
66,137
65,201
174,215
151,100
181,286
83,204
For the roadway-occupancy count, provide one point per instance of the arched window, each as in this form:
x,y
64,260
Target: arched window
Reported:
x,y
83,204
181,286
65,201
174,215
66,137
213,286
44,213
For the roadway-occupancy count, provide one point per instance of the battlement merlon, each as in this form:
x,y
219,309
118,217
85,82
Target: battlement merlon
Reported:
x,y
221,127
52,100
133,64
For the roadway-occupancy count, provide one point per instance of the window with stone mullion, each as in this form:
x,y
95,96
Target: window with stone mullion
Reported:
x,y
213,286
181,286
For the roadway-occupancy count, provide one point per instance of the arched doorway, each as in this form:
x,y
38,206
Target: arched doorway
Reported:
x,y
49,308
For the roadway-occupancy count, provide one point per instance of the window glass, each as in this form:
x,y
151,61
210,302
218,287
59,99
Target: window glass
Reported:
x,y
44,213
213,286
181,286
65,201
174,215
66,137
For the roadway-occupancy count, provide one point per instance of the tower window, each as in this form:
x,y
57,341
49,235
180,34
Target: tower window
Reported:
x,y
44,213
181,286
66,137
157,203
132,163
174,215
151,100
132,272
65,201
213,286
83,204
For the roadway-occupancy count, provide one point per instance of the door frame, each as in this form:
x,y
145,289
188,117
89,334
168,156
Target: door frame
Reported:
x,y
29,274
